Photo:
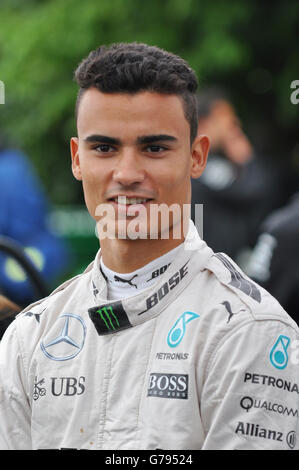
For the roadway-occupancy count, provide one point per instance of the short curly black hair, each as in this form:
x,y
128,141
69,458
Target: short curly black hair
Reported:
x,y
134,67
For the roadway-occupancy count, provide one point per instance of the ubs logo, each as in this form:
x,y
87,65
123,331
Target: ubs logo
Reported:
x,y
69,340
67,386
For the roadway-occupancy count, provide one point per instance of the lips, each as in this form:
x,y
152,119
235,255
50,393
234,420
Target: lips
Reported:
x,y
130,200
123,203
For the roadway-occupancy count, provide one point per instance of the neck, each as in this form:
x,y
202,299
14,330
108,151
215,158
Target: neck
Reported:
x,y
125,256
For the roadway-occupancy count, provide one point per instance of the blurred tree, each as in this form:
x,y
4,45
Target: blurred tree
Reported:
x,y
250,46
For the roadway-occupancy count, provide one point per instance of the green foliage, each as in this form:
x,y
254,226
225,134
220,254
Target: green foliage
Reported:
x,y
42,42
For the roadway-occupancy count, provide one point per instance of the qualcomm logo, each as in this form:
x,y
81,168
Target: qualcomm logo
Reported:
x,y
177,332
69,340
278,354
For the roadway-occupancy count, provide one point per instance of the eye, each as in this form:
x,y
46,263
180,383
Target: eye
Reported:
x,y
104,148
155,148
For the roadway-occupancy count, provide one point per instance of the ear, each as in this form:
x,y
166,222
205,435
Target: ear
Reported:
x,y
74,144
199,155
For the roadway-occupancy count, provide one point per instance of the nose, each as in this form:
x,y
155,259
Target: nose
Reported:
x,y
129,169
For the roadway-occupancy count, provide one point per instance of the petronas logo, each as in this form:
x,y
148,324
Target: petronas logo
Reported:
x,y
109,318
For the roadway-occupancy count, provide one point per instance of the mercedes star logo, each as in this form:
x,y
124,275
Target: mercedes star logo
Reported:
x,y
69,342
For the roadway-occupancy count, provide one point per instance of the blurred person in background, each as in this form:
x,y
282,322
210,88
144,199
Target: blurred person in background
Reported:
x,y
274,261
23,218
237,189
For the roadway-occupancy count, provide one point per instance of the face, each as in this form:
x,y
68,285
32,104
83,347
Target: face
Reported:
x,y
224,129
135,149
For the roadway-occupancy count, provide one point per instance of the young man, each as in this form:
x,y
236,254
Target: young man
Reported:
x,y
160,343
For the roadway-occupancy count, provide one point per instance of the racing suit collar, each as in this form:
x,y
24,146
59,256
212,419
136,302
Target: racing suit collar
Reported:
x,y
110,317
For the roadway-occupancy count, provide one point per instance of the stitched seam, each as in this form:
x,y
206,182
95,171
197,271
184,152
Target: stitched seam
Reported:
x,y
103,408
143,382
24,359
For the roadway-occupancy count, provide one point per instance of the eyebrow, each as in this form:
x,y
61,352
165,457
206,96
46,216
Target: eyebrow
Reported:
x,y
149,139
144,139
103,139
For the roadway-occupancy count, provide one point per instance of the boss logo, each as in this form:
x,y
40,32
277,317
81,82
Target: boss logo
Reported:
x,y
168,386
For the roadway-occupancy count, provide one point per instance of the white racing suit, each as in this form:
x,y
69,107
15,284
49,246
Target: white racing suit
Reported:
x,y
204,359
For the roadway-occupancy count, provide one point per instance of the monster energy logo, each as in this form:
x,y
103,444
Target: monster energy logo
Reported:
x,y
108,317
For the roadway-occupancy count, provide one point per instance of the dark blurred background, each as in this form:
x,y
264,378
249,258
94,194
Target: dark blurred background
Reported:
x,y
250,48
